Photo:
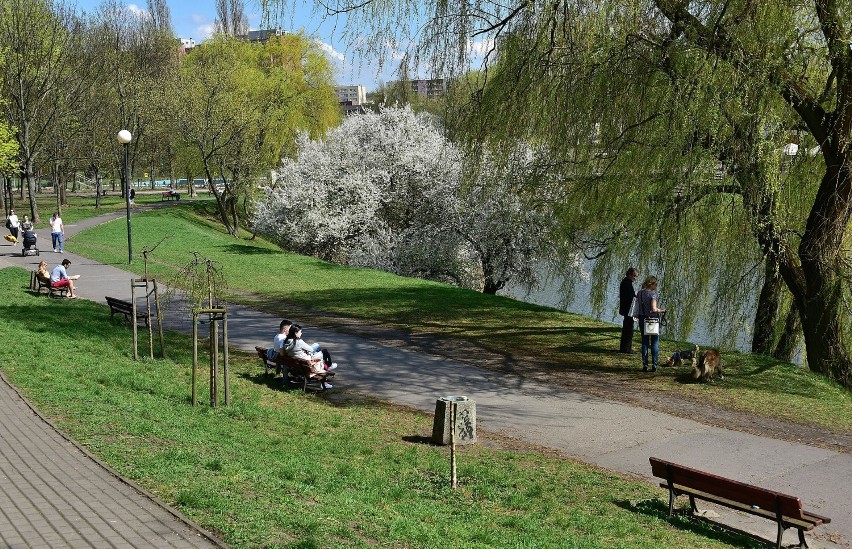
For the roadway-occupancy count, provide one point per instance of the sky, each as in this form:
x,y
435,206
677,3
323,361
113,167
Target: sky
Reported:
x,y
195,19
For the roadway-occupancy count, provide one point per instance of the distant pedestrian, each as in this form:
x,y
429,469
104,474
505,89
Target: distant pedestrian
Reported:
x,y
57,232
626,293
647,303
13,224
132,196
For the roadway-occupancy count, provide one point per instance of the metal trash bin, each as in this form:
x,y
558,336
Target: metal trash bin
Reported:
x,y
465,427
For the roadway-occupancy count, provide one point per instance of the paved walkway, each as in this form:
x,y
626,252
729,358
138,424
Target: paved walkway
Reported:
x,y
611,434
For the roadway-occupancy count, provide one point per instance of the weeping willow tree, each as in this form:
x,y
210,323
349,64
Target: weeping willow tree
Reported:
x,y
667,121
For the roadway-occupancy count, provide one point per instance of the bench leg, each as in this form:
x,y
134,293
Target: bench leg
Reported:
x,y
672,497
802,543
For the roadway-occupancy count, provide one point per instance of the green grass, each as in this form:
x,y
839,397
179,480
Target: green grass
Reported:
x,y
284,469
510,328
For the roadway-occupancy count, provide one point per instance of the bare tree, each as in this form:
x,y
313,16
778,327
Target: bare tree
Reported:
x,y
231,17
161,16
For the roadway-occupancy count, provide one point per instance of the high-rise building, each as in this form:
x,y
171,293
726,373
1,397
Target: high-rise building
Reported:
x,y
353,95
434,87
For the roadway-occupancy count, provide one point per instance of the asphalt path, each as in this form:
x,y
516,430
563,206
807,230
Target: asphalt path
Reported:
x,y
610,434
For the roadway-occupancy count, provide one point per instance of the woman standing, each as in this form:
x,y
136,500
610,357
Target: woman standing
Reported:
x,y
647,301
57,231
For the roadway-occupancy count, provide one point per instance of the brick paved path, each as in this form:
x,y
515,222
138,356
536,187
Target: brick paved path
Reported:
x,y
52,494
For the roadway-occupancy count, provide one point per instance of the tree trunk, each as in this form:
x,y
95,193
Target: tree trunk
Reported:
x,y
767,309
97,190
3,182
28,176
820,303
789,341
220,200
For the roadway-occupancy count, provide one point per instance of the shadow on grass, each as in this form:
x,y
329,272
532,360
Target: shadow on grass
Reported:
x,y
419,439
243,249
657,509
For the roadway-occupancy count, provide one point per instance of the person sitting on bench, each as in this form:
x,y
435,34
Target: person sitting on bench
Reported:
x,y
282,338
59,278
42,271
320,359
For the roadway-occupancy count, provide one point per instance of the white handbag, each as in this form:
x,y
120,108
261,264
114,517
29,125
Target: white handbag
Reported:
x,y
652,326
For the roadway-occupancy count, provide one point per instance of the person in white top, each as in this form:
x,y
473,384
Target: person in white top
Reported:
x,y
57,231
14,224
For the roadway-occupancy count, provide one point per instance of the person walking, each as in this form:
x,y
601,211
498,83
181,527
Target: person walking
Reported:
x,y
14,224
626,293
57,231
647,305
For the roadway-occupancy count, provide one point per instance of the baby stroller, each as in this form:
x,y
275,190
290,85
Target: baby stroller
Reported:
x,y
29,242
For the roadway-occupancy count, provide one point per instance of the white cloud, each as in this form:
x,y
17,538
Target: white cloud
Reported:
x,y
330,51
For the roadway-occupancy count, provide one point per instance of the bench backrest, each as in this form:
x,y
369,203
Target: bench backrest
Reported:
x,y
740,492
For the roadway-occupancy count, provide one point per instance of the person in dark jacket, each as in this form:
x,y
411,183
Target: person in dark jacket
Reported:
x,y
626,293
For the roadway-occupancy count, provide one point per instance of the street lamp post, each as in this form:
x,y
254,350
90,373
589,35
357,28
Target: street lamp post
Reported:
x,y
125,137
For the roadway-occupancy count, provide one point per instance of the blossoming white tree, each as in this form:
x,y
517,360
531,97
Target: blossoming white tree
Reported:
x,y
386,190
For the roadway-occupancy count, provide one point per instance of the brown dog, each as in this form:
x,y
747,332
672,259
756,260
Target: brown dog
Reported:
x,y
709,363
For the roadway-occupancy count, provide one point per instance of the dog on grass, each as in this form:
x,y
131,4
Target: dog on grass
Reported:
x,y
681,358
709,364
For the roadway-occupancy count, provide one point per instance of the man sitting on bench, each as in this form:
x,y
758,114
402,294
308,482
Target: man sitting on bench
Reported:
x,y
59,278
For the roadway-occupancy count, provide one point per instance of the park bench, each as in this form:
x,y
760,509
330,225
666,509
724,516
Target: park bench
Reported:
x,y
786,511
295,370
38,282
170,195
125,308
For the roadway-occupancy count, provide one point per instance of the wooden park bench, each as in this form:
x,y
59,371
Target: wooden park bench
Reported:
x,y
295,370
170,195
786,511
125,308
38,282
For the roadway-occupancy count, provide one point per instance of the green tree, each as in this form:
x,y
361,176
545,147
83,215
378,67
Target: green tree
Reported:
x,y
43,76
240,106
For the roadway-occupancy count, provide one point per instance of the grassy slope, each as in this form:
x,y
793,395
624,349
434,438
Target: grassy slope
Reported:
x,y
755,384
283,469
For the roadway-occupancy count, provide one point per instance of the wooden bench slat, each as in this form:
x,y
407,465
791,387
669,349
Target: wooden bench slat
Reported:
x,y
804,522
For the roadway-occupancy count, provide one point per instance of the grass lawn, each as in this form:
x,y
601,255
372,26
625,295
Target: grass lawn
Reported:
x,y
511,328
285,469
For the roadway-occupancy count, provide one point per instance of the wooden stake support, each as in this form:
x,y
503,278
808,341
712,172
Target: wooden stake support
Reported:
x,y
214,316
150,286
